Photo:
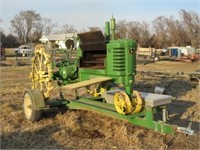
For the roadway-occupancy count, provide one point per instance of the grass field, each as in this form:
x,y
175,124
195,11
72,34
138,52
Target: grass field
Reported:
x,y
10,52
78,129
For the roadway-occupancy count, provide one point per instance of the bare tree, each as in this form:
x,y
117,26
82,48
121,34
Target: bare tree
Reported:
x,y
144,34
1,30
47,26
37,32
24,23
94,28
134,30
43,27
160,32
68,29
183,36
121,29
3,39
172,31
191,22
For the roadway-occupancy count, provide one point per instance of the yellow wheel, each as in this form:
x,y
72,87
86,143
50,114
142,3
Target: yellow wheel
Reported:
x,y
41,74
27,106
122,103
30,106
97,89
137,102
96,92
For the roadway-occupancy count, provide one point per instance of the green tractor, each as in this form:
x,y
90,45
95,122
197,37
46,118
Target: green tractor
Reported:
x,y
109,66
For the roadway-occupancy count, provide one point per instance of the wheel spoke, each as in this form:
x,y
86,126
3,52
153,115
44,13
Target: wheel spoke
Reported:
x,y
37,62
137,102
122,103
125,105
41,72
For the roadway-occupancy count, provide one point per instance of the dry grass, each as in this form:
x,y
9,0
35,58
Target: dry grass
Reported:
x,y
10,51
77,129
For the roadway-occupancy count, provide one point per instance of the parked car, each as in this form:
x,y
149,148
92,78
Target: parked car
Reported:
x,y
24,50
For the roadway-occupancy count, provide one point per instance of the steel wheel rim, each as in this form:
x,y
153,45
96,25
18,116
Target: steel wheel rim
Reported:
x,y
28,108
42,72
122,103
137,102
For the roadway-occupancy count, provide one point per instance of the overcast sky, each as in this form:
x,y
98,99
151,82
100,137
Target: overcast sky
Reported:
x,y
87,13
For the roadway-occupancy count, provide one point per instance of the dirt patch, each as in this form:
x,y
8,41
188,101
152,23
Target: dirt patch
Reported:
x,y
78,129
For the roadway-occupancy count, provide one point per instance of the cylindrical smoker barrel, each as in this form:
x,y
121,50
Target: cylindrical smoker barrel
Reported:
x,y
107,30
113,24
113,27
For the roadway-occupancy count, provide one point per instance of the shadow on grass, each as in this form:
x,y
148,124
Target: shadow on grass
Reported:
x,y
37,139
3,64
181,113
52,112
175,88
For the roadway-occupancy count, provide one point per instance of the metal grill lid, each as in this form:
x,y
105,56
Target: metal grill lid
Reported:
x,y
92,41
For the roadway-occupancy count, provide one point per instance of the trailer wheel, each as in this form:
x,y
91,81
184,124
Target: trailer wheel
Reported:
x,y
31,105
125,105
122,103
137,102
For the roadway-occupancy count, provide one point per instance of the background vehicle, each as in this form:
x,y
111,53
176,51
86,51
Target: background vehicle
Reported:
x,y
24,50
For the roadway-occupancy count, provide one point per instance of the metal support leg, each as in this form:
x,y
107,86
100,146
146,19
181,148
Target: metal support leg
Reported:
x,y
164,114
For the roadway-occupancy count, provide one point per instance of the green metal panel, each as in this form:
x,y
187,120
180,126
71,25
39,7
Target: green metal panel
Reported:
x,y
121,61
120,57
144,119
120,64
115,64
87,73
79,53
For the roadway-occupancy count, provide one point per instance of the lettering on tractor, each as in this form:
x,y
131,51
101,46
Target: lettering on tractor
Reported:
x,y
102,61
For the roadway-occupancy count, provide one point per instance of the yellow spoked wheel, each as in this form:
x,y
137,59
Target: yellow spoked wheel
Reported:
x,y
41,74
96,92
97,89
137,102
124,105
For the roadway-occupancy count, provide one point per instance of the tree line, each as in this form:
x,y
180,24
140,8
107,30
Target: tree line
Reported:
x,y
28,27
165,32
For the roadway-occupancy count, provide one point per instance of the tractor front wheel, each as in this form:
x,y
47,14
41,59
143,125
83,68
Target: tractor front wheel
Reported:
x,y
31,105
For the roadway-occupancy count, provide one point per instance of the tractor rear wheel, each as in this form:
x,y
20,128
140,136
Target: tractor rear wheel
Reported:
x,y
42,72
33,100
